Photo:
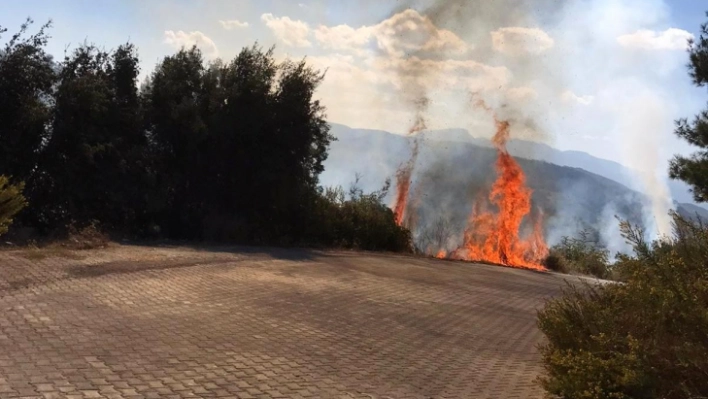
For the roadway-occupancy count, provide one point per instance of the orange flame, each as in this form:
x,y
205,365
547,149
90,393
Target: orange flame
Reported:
x,y
494,237
404,174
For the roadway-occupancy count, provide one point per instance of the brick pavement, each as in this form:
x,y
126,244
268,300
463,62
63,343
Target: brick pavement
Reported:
x,y
138,322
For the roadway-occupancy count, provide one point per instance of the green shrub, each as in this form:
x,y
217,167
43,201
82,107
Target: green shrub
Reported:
x,y
556,262
581,255
644,338
11,202
359,221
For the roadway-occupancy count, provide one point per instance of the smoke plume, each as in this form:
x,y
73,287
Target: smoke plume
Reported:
x,y
571,74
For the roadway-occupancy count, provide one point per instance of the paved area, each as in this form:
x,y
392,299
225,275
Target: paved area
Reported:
x,y
138,322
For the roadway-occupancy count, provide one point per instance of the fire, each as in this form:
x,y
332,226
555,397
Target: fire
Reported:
x,y
404,174
492,235
495,237
403,185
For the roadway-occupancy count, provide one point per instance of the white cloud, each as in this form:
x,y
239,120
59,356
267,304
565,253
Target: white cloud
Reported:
x,y
290,32
343,71
405,33
410,32
570,97
515,40
670,39
448,74
181,39
232,24
343,37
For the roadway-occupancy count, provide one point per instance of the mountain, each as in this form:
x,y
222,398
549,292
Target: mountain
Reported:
x,y
577,159
573,189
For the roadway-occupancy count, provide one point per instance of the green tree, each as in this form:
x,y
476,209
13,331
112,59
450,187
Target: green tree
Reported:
x,y
11,202
268,122
27,77
240,144
694,169
175,112
94,159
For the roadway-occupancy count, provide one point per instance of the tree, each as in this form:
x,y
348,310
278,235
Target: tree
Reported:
x,y
240,144
93,162
11,202
27,76
175,113
694,169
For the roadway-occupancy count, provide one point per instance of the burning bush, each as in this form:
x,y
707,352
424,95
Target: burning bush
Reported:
x,y
644,338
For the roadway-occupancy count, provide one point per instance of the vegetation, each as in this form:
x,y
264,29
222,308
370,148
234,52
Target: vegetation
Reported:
x,y
646,337
221,151
579,255
11,202
360,221
694,169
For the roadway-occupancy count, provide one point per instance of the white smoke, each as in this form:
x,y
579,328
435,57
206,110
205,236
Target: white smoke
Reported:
x,y
634,87
644,123
610,233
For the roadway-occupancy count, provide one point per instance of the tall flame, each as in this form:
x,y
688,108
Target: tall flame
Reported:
x,y
490,236
495,237
404,174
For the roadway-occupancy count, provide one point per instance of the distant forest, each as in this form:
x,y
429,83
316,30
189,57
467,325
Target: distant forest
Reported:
x,y
222,151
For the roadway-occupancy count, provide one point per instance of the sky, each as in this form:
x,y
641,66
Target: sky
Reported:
x,y
607,77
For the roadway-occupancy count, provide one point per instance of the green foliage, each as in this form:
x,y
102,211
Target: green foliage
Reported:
x,y
240,144
224,151
644,338
358,220
11,202
96,134
26,86
579,255
694,169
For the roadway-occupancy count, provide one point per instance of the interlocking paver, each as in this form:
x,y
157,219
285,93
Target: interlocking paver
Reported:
x,y
140,322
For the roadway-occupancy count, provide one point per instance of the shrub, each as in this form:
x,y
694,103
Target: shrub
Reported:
x,y
644,338
554,261
359,221
11,202
581,255
86,237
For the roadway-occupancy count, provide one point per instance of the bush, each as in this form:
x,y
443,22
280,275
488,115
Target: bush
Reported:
x,y
644,338
11,202
360,221
87,237
554,261
580,255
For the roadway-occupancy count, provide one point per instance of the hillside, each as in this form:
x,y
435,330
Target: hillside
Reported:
x,y
454,168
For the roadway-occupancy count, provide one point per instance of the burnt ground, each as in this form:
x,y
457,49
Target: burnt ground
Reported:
x,y
146,322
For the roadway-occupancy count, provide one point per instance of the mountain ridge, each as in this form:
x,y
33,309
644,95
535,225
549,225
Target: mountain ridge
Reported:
x,y
455,169
543,152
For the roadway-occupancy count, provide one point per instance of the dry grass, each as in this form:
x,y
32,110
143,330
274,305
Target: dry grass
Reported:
x,y
53,251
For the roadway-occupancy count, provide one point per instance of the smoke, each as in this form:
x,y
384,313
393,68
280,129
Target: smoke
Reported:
x,y
573,74
644,121
610,234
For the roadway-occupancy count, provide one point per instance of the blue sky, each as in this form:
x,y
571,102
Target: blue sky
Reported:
x,y
573,76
